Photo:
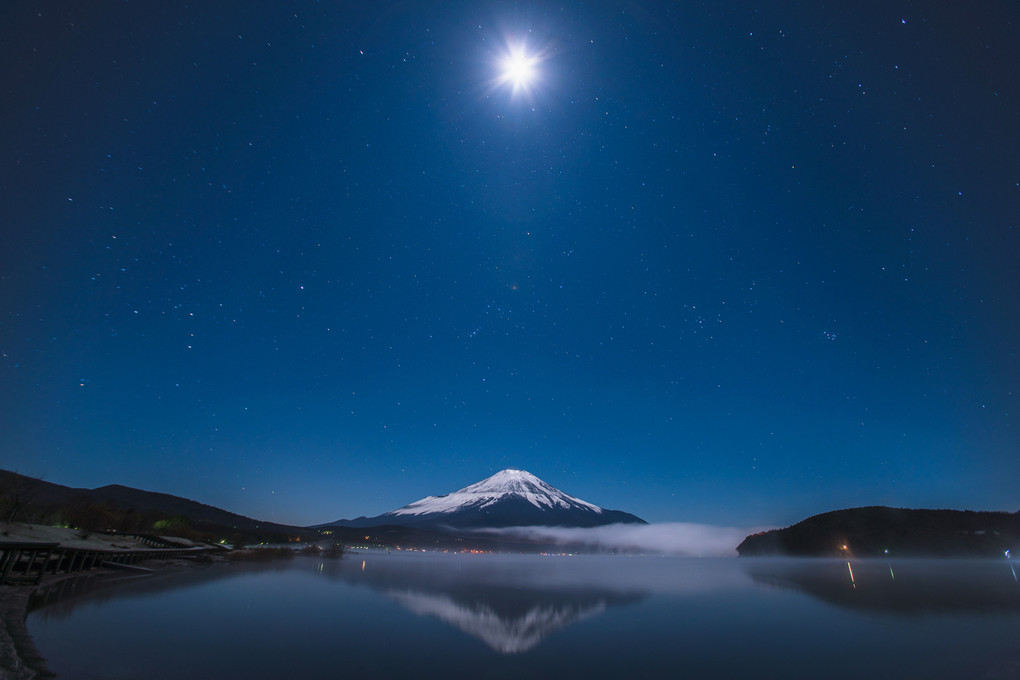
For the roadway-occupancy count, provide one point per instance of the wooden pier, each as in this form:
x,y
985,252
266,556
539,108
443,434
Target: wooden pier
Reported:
x,y
28,562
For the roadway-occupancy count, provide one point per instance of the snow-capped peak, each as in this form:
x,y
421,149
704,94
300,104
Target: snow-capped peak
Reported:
x,y
500,486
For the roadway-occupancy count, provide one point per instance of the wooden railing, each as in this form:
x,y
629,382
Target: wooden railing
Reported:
x,y
29,562
149,540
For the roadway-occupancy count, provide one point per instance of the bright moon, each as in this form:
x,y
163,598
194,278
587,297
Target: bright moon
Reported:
x,y
518,70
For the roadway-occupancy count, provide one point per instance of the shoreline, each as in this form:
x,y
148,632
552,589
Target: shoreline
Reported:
x,y
20,659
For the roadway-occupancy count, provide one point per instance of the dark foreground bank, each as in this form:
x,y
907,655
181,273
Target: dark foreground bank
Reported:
x,y
19,657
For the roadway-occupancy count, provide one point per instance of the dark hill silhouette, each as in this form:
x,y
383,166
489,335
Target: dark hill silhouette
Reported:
x,y
38,500
878,531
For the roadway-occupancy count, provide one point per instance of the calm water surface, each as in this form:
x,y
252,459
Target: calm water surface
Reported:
x,y
487,616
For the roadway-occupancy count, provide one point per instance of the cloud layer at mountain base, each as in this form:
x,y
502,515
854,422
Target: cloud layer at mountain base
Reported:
x,y
668,538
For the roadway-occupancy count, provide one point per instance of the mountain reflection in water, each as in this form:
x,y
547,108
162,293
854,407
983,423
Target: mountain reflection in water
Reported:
x,y
509,603
512,602
509,633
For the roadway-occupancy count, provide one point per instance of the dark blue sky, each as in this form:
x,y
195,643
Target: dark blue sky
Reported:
x,y
735,263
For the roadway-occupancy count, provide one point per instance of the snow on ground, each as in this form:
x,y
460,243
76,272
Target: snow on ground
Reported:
x,y
17,532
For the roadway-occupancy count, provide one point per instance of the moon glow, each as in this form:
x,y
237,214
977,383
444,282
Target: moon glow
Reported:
x,y
518,70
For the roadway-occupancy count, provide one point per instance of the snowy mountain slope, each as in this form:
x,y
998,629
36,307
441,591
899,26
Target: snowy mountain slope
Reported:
x,y
503,484
508,498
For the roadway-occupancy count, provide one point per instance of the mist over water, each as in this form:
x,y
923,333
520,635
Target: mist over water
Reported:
x,y
666,538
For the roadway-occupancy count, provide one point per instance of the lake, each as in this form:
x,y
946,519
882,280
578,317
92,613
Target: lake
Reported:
x,y
430,615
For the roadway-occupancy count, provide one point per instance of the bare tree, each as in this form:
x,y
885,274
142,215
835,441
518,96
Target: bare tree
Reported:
x,y
16,491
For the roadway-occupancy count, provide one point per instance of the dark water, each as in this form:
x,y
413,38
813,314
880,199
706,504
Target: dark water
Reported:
x,y
484,616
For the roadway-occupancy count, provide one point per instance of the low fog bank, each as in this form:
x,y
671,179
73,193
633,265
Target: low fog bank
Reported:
x,y
667,538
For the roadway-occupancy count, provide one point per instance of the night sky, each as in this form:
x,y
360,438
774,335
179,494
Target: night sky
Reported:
x,y
734,263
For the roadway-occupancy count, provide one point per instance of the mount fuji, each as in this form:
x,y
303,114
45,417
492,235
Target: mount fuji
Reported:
x,y
508,498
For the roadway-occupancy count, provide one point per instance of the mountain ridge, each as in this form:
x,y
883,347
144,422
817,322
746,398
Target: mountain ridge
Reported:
x,y
879,531
511,497
38,498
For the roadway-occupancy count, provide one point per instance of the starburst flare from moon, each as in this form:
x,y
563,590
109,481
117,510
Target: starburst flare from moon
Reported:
x,y
518,69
